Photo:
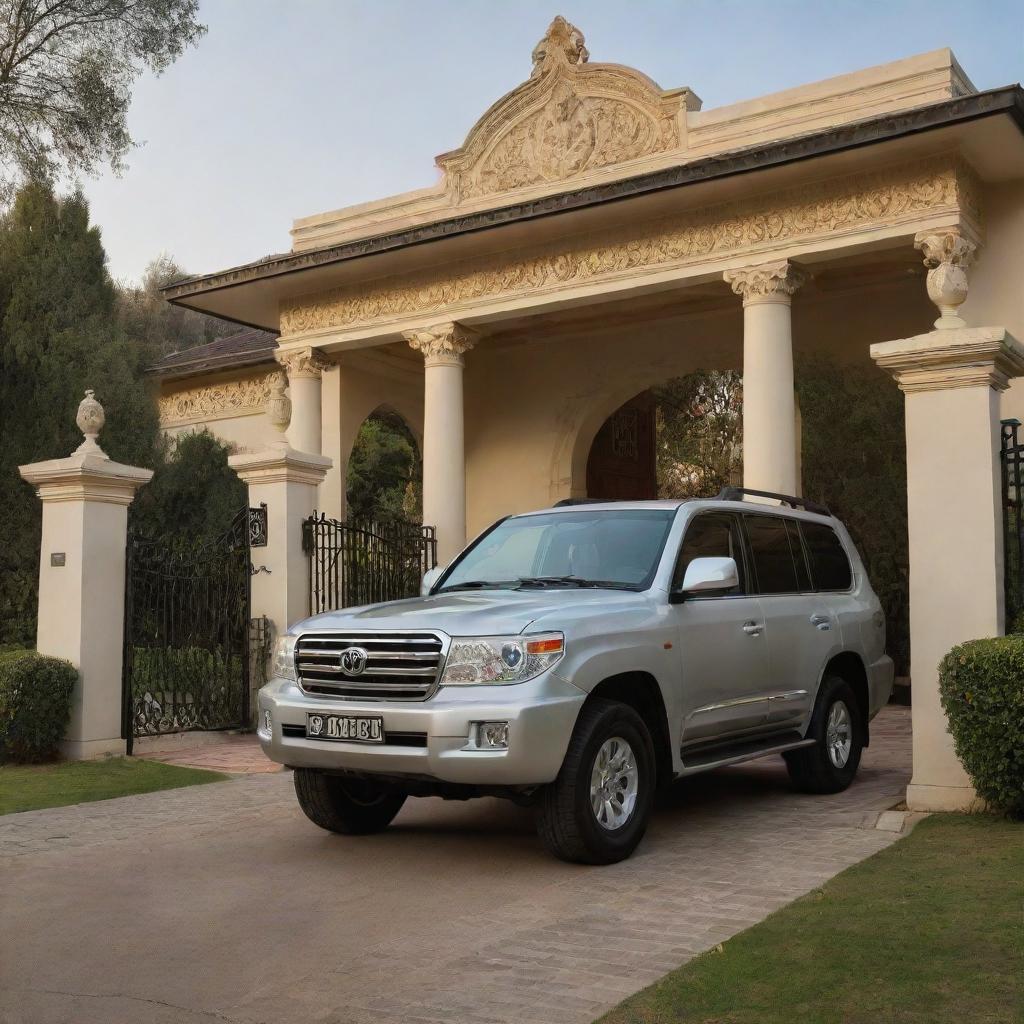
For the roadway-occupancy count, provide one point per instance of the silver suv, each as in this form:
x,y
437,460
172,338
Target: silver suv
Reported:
x,y
576,658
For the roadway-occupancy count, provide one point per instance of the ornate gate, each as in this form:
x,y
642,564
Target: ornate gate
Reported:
x,y
362,563
1011,457
186,635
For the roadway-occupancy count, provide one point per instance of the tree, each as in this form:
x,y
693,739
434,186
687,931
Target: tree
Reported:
x,y
59,334
384,471
67,68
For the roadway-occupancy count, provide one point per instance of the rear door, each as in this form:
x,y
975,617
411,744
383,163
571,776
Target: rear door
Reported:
x,y
722,647
802,630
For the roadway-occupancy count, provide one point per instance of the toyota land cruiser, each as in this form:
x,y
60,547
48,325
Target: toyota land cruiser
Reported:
x,y
575,658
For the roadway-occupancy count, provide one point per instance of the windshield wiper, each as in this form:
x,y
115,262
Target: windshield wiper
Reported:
x,y
476,585
572,581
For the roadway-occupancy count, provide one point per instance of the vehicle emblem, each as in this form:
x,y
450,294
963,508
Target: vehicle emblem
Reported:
x,y
353,661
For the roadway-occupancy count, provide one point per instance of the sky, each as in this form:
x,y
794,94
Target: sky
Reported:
x,y
288,108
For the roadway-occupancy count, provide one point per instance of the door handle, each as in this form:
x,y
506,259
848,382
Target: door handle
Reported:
x,y
821,622
752,628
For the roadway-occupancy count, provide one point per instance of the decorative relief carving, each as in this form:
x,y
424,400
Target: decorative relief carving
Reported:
x,y
442,343
698,236
216,401
568,118
768,282
302,362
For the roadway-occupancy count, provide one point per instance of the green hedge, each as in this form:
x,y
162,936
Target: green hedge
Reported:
x,y
982,688
35,704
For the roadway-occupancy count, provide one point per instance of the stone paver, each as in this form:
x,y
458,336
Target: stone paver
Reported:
x,y
221,903
234,754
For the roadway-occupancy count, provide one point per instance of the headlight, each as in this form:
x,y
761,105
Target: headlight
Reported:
x,y
283,665
500,659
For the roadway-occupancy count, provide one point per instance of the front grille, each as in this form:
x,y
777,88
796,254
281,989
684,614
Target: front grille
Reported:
x,y
399,666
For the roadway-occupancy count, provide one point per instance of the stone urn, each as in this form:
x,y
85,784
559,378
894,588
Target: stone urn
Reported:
x,y
279,405
90,420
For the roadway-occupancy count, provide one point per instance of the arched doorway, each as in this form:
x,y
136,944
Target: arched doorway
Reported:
x,y
384,479
622,462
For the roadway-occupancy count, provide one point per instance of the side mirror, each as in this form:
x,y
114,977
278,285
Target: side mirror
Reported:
x,y
709,574
430,577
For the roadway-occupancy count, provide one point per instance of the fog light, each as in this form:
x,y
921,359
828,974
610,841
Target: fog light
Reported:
x,y
492,735
268,723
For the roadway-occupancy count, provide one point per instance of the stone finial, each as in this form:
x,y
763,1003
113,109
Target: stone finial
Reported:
x,y
90,420
767,282
442,343
561,39
279,405
947,255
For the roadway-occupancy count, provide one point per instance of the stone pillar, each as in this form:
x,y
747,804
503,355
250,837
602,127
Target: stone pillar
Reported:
x,y
444,454
304,367
287,481
951,377
769,405
81,579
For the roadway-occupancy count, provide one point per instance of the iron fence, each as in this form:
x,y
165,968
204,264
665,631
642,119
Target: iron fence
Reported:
x,y
355,563
1011,458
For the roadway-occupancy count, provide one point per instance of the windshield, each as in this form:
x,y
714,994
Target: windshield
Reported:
x,y
589,547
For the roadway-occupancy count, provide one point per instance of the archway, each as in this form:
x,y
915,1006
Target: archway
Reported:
x,y
384,479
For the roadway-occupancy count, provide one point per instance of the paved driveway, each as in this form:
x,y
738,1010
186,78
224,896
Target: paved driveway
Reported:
x,y
221,903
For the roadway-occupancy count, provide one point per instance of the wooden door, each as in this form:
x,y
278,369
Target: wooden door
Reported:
x,y
622,462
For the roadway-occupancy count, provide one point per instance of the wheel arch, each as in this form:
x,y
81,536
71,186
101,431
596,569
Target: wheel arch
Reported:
x,y
849,666
640,691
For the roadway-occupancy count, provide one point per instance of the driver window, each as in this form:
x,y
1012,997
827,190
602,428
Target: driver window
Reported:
x,y
711,535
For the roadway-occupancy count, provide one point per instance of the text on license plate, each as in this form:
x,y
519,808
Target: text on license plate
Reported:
x,y
348,728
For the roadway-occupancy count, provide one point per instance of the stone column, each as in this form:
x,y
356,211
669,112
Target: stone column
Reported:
x,y
304,367
951,377
81,579
769,404
444,454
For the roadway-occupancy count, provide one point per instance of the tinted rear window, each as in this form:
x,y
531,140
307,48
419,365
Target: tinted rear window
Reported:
x,y
773,557
830,568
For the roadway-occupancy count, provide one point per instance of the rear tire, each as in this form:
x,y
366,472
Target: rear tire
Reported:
x,y
596,811
837,726
349,806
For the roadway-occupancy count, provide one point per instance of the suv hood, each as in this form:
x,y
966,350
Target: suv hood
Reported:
x,y
473,612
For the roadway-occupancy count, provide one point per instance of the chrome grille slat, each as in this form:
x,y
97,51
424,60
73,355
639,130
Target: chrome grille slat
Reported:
x,y
399,666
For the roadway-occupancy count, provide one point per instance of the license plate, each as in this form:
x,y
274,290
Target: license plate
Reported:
x,y
345,728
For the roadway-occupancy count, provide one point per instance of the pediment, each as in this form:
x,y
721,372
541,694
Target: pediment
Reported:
x,y
568,119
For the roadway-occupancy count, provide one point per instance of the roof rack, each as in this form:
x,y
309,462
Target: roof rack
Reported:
x,y
583,501
738,493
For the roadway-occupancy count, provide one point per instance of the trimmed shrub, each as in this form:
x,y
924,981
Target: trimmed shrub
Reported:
x,y
35,704
982,689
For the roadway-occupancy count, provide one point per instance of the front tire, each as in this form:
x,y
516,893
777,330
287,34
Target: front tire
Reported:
x,y
349,806
596,811
838,729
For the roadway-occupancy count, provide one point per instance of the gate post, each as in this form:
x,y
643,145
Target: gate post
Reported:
x,y
81,579
287,481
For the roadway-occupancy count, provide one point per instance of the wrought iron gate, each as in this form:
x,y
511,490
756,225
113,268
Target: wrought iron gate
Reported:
x,y
186,635
1011,453
362,563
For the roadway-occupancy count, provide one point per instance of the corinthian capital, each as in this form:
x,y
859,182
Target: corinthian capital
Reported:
x,y
442,343
302,362
947,255
767,282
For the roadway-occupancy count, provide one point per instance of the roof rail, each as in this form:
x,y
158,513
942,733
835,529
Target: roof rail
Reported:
x,y
738,493
583,501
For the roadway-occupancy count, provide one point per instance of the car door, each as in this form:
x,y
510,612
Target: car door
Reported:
x,y
800,628
723,652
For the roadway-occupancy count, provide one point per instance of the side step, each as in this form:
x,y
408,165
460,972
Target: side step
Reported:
x,y
721,754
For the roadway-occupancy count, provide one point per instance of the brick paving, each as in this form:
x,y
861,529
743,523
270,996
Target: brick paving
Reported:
x,y
234,754
222,903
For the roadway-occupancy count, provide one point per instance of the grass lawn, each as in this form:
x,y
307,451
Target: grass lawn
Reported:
x,y
28,787
929,930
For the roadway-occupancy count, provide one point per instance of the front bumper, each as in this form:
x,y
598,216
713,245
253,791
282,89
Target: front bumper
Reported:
x,y
541,714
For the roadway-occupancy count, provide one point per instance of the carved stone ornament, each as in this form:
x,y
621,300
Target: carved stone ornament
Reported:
x,y
90,419
302,362
279,405
768,282
442,344
806,213
947,255
568,118
216,401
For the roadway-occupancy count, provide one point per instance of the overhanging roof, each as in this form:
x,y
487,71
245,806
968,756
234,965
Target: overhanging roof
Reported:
x,y
251,293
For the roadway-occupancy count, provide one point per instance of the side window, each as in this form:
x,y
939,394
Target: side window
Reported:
x,y
830,568
711,535
803,576
774,564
